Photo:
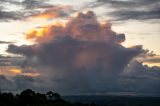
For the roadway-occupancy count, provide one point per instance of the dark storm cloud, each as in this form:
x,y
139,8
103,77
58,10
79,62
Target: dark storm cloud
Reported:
x,y
86,56
67,53
83,43
27,50
22,82
132,9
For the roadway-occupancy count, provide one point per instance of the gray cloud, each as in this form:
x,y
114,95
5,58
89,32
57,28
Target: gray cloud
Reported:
x,y
136,14
81,60
5,61
136,10
127,3
150,58
53,11
122,10
136,79
18,83
5,42
29,8
5,83
9,61
142,78
32,4
26,4
10,1
10,15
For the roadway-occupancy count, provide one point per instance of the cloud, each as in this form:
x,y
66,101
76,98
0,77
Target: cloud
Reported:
x,y
51,12
10,15
142,78
32,4
7,15
126,3
5,42
136,14
119,10
85,27
5,60
15,78
29,9
18,83
5,83
139,10
153,59
150,59
10,1
84,56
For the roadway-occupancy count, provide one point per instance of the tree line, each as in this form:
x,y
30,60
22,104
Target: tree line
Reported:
x,y
29,97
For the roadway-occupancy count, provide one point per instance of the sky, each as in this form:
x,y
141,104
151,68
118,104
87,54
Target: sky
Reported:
x,y
90,47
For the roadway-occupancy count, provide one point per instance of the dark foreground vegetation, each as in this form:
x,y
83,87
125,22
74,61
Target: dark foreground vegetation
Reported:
x,y
31,98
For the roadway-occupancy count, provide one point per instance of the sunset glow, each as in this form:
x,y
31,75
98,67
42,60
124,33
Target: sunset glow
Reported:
x,y
15,71
44,16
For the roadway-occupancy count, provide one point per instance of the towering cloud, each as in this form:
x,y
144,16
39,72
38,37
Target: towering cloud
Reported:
x,y
83,27
82,55
83,42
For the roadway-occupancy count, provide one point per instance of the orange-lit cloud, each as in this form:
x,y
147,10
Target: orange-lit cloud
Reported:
x,y
151,64
45,16
82,27
31,74
45,33
51,12
13,71
10,71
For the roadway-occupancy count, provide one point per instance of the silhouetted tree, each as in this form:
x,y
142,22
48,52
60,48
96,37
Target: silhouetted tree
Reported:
x,y
40,98
50,95
57,96
26,97
6,99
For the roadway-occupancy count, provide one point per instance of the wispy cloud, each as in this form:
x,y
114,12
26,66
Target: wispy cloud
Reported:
x,y
128,9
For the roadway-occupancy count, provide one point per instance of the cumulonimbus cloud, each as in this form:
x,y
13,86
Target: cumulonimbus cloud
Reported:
x,y
82,56
82,42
